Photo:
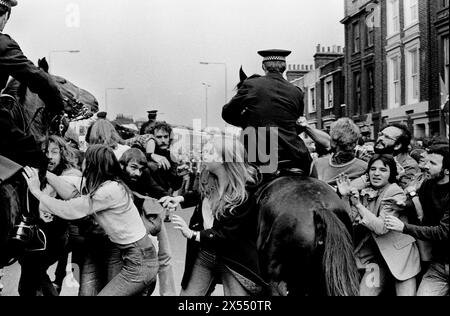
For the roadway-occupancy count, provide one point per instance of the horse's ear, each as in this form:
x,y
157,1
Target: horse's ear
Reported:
x,y
43,64
242,75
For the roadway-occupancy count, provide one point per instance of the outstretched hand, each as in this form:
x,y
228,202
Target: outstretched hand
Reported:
x,y
181,225
171,202
32,178
343,184
162,161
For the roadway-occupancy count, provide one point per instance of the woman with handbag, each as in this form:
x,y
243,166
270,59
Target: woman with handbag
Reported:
x,y
105,196
382,254
223,229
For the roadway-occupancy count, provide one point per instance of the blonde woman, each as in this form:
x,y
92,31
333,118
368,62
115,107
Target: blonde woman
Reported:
x,y
222,231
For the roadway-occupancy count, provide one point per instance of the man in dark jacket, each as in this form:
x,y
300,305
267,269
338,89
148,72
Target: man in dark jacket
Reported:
x,y
14,144
267,108
433,196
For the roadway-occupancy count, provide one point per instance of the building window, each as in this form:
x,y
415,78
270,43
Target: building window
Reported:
x,y
370,33
413,75
446,61
394,82
357,93
329,93
312,100
393,17
370,90
411,8
356,38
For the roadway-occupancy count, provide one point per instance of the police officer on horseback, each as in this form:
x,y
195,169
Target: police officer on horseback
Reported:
x,y
270,102
14,144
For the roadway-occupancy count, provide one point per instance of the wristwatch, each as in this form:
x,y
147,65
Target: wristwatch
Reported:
x,y
412,194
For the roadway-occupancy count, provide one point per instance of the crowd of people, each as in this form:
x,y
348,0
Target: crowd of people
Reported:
x,y
107,206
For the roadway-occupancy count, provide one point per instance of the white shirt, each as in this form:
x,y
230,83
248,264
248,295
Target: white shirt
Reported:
x,y
112,206
208,217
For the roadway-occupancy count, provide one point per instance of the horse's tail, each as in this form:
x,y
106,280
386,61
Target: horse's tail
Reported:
x,y
338,262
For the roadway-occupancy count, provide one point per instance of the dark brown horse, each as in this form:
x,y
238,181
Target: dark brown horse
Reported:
x,y
304,239
28,113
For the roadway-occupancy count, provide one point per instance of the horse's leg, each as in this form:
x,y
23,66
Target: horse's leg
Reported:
x,y
286,255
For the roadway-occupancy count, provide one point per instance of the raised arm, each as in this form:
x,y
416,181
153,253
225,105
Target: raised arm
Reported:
x,y
19,67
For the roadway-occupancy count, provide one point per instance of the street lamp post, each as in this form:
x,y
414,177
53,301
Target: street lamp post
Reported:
x,y
106,96
206,102
226,75
60,52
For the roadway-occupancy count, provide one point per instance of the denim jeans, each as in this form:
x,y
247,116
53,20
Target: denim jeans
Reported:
x,y
139,270
165,273
435,281
75,245
207,269
102,262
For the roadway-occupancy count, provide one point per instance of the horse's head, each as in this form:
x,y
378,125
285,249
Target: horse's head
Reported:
x,y
243,77
79,104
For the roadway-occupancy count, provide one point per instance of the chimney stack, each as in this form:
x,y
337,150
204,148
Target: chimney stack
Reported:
x,y
326,54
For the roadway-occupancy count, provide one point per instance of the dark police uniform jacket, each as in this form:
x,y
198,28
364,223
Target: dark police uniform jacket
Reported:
x,y
271,101
14,143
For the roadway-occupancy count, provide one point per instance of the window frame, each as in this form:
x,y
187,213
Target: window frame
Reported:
x,y
393,11
408,12
328,83
356,26
413,75
394,84
357,92
312,100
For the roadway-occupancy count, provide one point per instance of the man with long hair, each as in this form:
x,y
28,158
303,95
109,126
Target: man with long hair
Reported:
x,y
64,181
162,163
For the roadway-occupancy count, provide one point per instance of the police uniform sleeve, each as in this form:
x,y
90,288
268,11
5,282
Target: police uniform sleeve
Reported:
x,y
233,112
19,67
301,104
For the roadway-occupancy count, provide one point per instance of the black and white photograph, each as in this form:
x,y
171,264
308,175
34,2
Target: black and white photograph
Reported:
x,y
224,152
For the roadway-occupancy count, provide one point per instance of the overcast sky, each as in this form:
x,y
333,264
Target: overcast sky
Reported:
x,y
152,48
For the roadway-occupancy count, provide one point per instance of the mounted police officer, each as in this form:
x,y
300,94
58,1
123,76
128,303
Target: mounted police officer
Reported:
x,y
147,126
272,104
17,148
14,143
